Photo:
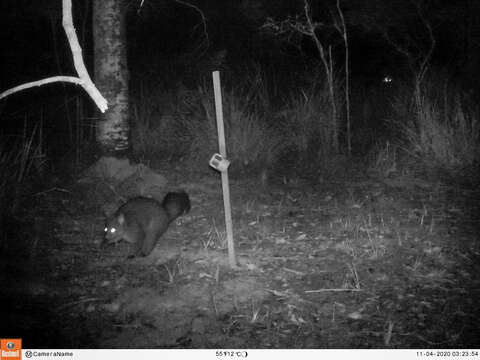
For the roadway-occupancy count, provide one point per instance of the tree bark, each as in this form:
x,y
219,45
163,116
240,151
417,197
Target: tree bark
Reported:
x,y
111,75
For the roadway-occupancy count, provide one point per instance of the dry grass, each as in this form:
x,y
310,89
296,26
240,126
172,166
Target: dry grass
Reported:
x,y
18,160
306,118
441,129
250,141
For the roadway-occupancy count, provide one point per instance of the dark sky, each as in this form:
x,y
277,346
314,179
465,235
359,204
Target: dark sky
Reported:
x,y
33,44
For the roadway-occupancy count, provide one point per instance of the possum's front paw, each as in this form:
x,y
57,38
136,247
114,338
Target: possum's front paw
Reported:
x,y
103,244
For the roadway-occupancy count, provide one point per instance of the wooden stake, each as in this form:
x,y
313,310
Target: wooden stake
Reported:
x,y
225,186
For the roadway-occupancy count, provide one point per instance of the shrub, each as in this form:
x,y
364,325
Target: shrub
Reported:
x,y
306,118
250,141
442,129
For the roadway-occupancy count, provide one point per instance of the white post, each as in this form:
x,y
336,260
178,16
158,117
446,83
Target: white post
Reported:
x,y
223,151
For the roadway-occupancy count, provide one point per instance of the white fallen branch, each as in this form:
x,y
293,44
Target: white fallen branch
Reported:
x,y
71,79
83,78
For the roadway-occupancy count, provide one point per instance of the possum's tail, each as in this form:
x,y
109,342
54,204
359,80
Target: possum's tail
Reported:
x,y
176,204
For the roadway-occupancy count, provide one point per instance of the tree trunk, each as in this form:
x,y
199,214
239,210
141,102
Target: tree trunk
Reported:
x,y
111,74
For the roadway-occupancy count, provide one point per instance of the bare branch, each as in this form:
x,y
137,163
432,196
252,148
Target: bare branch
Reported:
x,y
424,64
83,78
343,32
202,15
402,50
328,65
82,72
70,79
311,29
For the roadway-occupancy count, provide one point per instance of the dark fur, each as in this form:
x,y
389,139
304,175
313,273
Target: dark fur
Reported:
x,y
142,221
176,204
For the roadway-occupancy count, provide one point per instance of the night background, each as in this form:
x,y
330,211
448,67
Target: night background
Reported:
x,y
354,189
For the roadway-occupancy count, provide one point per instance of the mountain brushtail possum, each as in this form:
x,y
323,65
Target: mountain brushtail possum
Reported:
x,y
142,221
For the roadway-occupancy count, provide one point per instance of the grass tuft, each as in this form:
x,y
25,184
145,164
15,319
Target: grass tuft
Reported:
x,y
441,129
18,160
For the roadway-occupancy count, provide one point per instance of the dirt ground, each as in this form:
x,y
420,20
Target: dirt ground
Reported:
x,y
359,262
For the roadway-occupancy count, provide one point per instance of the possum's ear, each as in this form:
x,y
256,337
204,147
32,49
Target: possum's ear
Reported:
x,y
121,219
109,210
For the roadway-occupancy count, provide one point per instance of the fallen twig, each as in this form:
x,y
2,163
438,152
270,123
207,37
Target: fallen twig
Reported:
x,y
61,307
327,290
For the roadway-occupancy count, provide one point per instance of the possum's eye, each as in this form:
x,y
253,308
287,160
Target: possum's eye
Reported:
x,y
112,230
106,229
387,79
